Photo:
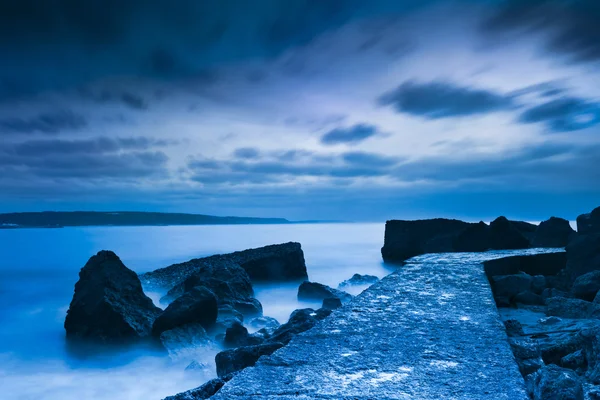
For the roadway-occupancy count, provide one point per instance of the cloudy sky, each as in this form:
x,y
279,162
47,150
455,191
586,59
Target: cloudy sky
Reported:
x,y
304,109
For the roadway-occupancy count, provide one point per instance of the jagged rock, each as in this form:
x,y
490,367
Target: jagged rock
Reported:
x,y
196,366
230,361
587,286
237,335
358,279
527,354
513,328
269,324
556,383
527,297
538,284
301,320
556,346
179,340
589,223
568,308
554,232
511,285
109,304
331,303
199,305
476,237
574,361
203,392
250,307
318,291
583,253
504,235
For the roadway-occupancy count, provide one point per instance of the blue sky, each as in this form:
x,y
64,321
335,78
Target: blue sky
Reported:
x,y
304,109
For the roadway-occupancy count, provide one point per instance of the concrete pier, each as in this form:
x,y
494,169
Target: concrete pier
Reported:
x,y
430,330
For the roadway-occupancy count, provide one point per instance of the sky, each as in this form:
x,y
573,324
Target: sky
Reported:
x,y
302,109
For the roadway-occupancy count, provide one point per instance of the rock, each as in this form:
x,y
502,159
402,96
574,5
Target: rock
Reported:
x,y
301,320
406,239
281,262
226,279
476,237
234,360
237,335
556,346
549,320
568,308
583,255
502,301
574,360
179,340
331,303
549,264
589,223
556,383
196,366
250,307
513,328
358,279
317,291
267,323
587,286
226,311
198,305
527,354
504,235
511,285
203,392
548,293
527,297
554,232
109,304
538,284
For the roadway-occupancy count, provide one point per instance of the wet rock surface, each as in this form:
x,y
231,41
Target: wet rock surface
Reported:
x,y
199,305
357,280
109,305
317,291
428,331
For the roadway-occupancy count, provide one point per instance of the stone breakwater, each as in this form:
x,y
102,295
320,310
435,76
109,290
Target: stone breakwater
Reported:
x,y
430,330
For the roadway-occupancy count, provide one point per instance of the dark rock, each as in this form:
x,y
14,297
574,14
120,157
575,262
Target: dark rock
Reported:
x,y
476,237
574,361
250,307
554,232
226,311
318,291
203,392
539,264
199,305
281,262
267,323
568,308
548,293
406,239
556,346
331,303
502,301
538,284
556,383
589,223
109,304
511,285
583,253
301,320
527,297
591,348
225,279
587,286
183,337
237,335
527,354
196,366
504,235
358,279
527,229
513,328
230,361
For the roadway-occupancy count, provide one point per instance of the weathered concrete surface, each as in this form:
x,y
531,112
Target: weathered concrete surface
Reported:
x,y
430,330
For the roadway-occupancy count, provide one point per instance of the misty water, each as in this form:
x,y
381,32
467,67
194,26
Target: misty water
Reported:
x,y
39,267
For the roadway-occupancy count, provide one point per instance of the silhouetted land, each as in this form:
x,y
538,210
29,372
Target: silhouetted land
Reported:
x,y
54,219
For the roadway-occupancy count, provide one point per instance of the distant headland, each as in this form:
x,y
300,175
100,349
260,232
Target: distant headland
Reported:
x,y
59,219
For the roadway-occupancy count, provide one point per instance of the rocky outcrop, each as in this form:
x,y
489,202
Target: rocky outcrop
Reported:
x,y
504,235
198,305
234,360
313,291
583,254
589,223
554,232
275,263
358,280
109,304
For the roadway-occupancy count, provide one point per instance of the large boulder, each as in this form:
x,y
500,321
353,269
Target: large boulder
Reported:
x,y
300,321
511,285
109,304
504,235
476,237
230,361
556,383
589,223
554,232
237,335
547,265
406,239
313,291
527,354
569,308
198,305
583,254
182,340
587,286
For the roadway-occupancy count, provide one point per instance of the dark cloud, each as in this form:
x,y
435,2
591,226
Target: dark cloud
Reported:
x,y
247,153
370,159
564,114
351,135
49,123
572,26
443,100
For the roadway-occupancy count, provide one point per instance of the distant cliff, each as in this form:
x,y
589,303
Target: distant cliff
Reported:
x,y
53,219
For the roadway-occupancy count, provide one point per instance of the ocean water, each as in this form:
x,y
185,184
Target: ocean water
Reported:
x,y
39,267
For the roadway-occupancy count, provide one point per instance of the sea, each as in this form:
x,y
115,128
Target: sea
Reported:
x,y
39,268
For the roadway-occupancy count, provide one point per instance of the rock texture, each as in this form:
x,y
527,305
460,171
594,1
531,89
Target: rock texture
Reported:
x,y
317,291
357,280
589,223
109,304
198,305
554,232
235,360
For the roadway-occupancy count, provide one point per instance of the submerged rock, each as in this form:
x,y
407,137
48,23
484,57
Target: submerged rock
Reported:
x,y
230,361
199,305
109,304
318,291
358,279
554,232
